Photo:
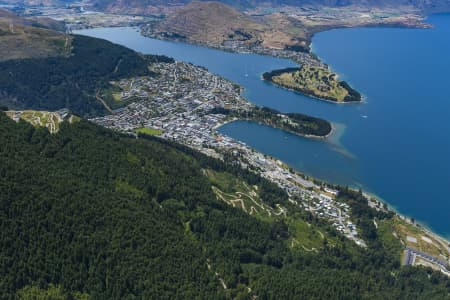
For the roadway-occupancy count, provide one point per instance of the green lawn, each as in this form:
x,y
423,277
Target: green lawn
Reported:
x,y
149,131
403,229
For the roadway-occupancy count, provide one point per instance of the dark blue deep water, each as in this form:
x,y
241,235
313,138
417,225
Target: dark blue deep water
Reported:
x,y
395,145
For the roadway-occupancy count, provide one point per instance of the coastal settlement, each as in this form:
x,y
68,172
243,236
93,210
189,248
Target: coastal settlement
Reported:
x,y
181,104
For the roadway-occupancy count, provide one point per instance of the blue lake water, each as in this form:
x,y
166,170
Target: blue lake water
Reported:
x,y
396,144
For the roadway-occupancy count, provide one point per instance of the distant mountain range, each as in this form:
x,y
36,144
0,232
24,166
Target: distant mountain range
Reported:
x,y
154,6
44,69
427,6
41,22
88,213
214,23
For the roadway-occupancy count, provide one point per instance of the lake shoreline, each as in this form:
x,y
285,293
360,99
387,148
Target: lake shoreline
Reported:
x,y
309,136
359,114
304,79
311,95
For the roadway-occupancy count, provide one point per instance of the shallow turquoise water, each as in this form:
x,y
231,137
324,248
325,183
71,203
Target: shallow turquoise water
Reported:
x,y
395,145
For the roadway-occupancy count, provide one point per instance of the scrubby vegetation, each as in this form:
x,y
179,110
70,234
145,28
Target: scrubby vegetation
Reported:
x,y
148,131
91,214
314,81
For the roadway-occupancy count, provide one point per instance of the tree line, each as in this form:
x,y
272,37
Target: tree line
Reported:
x,y
90,213
71,82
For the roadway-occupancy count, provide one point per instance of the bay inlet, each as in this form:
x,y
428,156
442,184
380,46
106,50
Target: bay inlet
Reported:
x,y
395,145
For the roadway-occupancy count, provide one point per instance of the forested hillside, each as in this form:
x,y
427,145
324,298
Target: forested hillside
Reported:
x,y
91,214
78,81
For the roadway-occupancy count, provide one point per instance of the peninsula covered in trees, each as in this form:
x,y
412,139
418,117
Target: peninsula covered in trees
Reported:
x,y
315,81
292,122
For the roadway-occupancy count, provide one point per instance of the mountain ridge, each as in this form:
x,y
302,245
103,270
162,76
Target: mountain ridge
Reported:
x,y
426,6
30,38
215,23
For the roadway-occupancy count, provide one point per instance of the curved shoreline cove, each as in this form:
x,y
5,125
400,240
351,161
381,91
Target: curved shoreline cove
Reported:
x,y
395,144
295,123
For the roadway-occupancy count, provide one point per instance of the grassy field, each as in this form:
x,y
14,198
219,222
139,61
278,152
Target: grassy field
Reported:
x,y
149,131
305,236
117,97
114,91
315,81
399,230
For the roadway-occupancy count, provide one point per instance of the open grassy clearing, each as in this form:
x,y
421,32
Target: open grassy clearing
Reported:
x,y
117,97
304,236
227,182
149,131
112,95
412,236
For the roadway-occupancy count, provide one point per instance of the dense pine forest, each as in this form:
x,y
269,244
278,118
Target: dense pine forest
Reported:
x,y
72,81
92,214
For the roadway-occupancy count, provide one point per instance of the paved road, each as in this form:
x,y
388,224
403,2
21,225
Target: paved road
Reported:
x,y
409,259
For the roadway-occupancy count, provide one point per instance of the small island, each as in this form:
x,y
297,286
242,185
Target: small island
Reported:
x,y
315,81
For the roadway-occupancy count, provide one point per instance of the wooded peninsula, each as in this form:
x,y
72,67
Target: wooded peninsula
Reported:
x,y
314,81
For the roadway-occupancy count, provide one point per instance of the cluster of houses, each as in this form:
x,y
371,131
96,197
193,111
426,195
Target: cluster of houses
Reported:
x,y
178,102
